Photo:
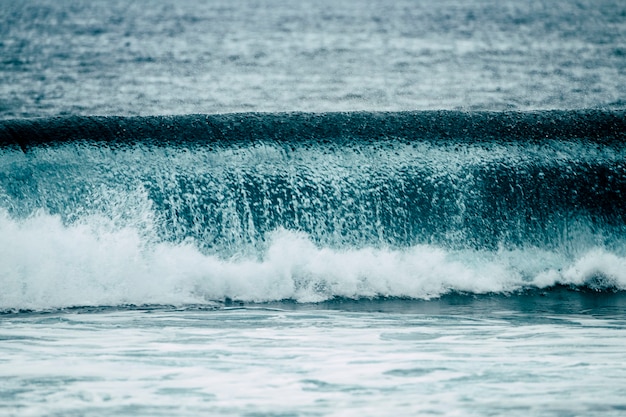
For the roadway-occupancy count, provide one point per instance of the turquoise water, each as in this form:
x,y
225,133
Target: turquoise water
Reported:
x,y
259,208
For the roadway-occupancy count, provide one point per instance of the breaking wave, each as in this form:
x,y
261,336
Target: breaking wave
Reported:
x,y
308,207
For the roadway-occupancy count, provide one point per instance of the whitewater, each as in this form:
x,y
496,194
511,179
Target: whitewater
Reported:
x,y
351,205
330,208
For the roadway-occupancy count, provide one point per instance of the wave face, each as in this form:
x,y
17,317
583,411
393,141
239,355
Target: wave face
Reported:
x,y
259,207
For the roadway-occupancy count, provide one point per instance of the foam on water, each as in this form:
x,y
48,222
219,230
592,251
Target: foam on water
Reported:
x,y
48,265
236,362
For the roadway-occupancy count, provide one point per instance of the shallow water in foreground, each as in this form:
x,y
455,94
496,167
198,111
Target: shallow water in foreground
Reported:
x,y
553,355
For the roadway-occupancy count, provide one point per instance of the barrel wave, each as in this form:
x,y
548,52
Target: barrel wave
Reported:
x,y
259,207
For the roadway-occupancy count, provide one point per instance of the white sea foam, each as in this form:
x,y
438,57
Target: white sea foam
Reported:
x,y
46,264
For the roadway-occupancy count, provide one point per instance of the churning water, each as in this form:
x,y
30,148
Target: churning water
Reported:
x,y
237,256
266,207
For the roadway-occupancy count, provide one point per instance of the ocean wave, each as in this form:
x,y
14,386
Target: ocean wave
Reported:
x,y
340,189
309,207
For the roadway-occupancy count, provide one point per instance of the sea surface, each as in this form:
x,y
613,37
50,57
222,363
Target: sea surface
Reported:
x,y
312,208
